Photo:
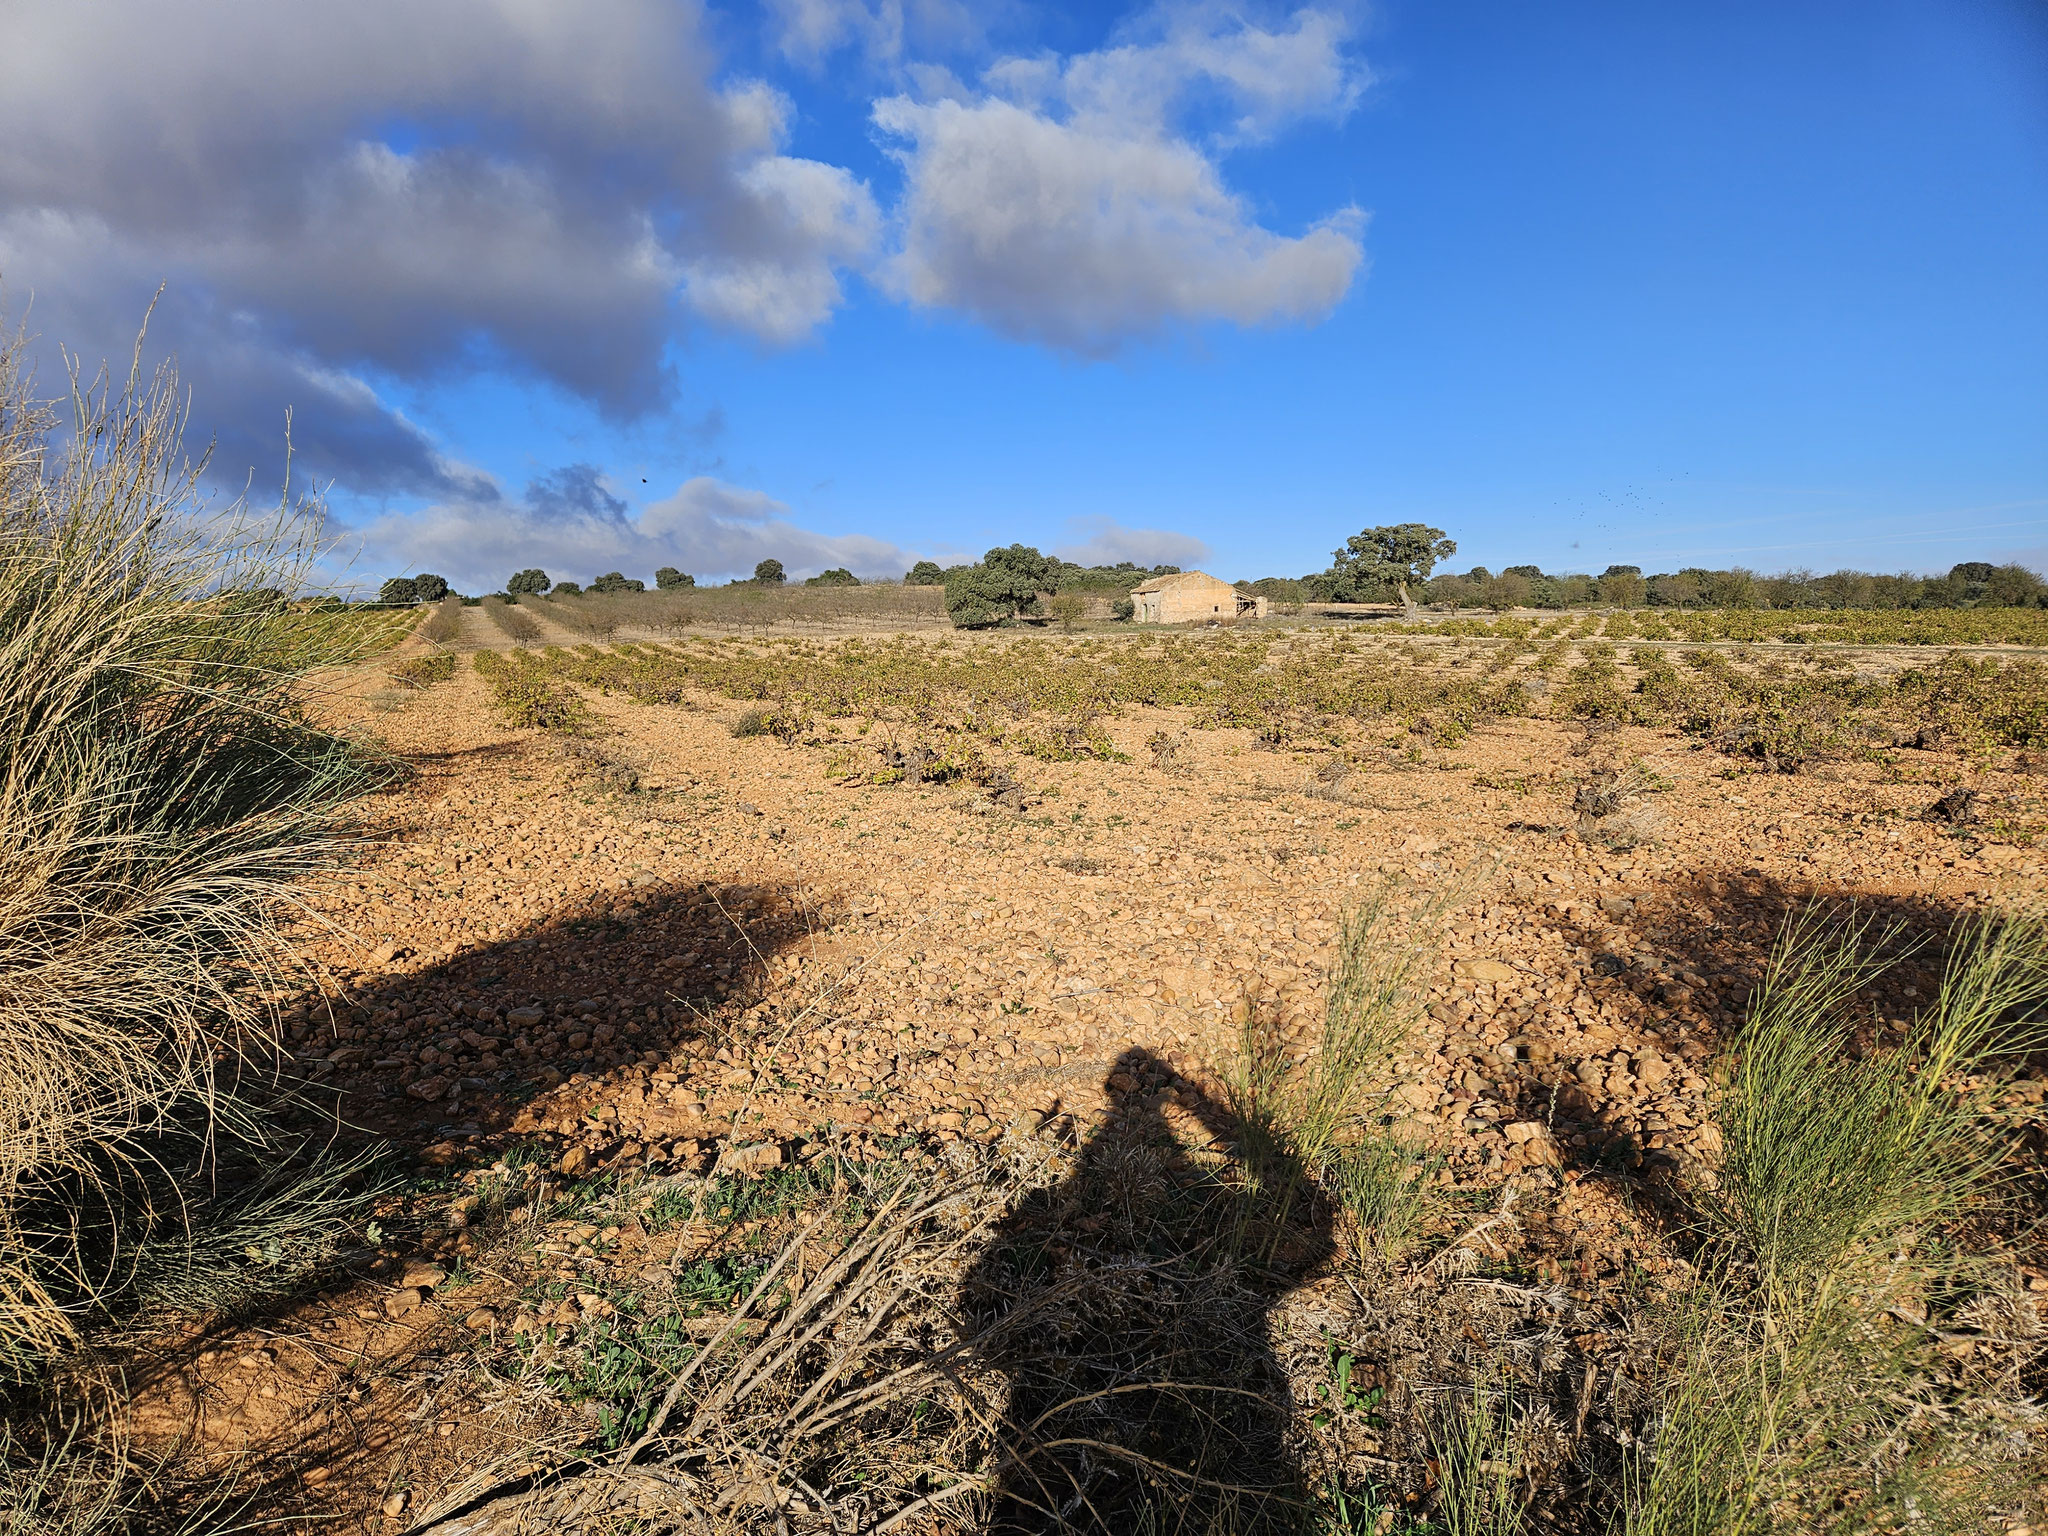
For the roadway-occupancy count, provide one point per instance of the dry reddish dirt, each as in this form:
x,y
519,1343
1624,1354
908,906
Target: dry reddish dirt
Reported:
x,y
741,958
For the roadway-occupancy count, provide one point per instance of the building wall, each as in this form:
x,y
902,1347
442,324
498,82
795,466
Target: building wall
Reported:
x,y
1192,602
1195,600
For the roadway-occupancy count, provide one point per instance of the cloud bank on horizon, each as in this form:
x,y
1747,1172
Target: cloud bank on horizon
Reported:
x,y
573,525
347,203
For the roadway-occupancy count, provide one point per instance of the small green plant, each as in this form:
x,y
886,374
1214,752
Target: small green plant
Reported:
x,y
1347,1392
1480,1440
617,1363
1388,1189
526,696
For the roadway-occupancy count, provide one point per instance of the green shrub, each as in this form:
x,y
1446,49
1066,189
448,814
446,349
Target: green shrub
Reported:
x,y
1831,1152
999,590
526,696
422,671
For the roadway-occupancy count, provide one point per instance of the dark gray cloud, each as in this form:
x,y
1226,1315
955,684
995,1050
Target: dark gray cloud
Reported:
x,y
403,188
344,196
574,491
573,524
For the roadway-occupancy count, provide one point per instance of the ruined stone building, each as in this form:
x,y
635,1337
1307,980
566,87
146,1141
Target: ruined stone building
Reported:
x,y
1193,597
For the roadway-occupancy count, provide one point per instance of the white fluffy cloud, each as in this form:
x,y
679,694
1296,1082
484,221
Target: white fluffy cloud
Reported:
x,y
1064,204
402,187
1104,541
572,525
343,199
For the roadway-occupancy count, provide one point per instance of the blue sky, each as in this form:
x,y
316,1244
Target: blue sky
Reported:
x,y
851,281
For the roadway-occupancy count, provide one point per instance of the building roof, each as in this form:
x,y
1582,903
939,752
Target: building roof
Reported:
x,y
1161,583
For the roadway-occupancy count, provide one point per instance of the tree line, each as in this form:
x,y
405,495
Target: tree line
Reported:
x,y
535,582
1377,565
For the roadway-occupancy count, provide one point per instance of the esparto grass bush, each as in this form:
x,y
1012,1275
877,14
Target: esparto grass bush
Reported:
x,y
1321,1114
163,795
1829,1153
1812,1389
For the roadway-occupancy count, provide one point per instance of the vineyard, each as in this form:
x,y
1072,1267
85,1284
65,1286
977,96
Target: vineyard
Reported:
x,y
1045,697
601,616
1798,626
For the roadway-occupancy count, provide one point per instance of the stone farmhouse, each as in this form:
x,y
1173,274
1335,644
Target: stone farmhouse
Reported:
x,y
1193,597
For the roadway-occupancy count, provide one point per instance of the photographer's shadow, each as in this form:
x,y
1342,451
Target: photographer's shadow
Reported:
x,y
1128,1306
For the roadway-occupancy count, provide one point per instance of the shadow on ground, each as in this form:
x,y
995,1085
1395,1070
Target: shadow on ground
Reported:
x,y
454,1048
1128,1306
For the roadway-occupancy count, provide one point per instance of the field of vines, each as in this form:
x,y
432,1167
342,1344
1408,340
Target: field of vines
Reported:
x,y
1048,697
1926,626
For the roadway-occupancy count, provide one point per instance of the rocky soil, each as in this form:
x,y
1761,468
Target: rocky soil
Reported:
x,y
663,947
737,948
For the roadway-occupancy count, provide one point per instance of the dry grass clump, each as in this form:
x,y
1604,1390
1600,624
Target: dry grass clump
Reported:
x,y
514,623
161,797
1612,807
444,622
839,1393
70,1471
1026,1338
605,768
1166,748
1331,781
